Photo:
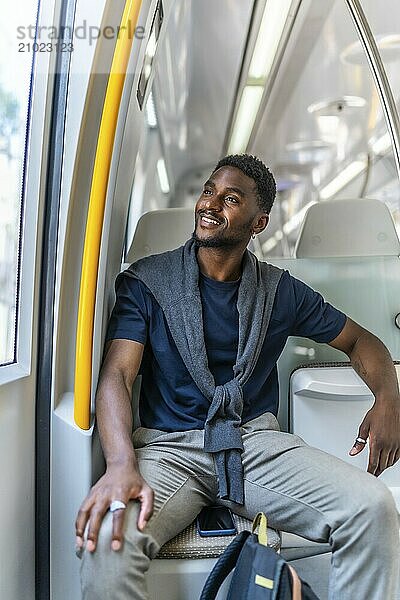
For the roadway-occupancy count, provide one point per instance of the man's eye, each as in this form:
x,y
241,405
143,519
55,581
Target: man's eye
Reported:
x,y
205,192
232,199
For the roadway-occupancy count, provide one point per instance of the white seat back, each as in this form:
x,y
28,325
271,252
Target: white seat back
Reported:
x,y
328,404
348,250
356,227
161,230
157,231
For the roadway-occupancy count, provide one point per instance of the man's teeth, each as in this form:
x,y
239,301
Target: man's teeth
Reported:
x,y
208,220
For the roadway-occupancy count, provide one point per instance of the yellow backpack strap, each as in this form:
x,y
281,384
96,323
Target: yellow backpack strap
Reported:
x,y
260,521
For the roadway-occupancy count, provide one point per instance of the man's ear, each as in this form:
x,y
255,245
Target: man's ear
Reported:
x,y
261,223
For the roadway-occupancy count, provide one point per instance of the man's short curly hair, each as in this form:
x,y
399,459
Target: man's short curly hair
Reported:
x,y
253,167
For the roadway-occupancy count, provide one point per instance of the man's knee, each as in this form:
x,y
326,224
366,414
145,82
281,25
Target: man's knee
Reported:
x,y
375,497
96,567
108,569
382,502
133,538
376,505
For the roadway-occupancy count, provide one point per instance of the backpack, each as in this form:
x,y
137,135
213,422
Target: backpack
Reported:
x,y
260,573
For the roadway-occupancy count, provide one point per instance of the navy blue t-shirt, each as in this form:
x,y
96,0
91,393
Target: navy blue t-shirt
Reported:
x,y
170,400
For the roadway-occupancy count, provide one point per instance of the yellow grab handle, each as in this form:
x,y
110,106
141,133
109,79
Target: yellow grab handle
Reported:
x,y
94,225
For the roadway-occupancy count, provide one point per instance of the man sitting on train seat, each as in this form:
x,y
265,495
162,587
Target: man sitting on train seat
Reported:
x,y
205,325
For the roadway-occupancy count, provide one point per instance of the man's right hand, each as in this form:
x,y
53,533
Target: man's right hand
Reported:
x,y
120,482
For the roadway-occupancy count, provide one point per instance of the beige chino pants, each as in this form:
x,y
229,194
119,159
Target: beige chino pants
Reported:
x,y
301,489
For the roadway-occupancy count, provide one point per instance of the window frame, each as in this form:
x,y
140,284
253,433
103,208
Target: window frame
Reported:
x,y
31,201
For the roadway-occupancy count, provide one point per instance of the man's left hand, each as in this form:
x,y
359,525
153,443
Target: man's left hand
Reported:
x,y
381,426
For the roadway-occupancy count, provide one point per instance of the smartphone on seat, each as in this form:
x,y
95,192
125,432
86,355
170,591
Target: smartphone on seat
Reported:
x,y
215,520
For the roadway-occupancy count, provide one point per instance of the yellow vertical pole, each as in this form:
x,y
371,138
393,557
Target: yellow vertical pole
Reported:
x,y
94,225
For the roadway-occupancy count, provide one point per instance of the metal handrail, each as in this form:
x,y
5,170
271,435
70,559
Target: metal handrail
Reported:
x,y
94,225
379,74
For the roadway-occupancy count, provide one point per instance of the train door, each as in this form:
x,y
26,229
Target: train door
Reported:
x,y
110,78
25,88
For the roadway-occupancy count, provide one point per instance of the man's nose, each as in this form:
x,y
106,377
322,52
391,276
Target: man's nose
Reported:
x,y
213,202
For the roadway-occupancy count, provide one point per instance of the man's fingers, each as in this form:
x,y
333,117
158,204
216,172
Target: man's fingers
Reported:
x,y
118,528
81,522
374,461
391,459
387,458
383,462
357,448
146,509
146,499
102,496
359,444
96,517
361,440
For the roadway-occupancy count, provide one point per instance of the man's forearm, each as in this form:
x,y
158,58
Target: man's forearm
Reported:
x,y
122,480
114,419
373,363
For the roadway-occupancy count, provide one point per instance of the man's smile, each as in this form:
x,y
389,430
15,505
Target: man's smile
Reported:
x,y
209,221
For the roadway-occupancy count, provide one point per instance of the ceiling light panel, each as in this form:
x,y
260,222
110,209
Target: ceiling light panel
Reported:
x,y
246,115
343,179
382,144
163,176
151,112
272,26
269,35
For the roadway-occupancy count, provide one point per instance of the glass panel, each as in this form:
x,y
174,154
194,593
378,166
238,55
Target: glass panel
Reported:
x,y
387,35
149,54
326,140
386,30
337,279
15,75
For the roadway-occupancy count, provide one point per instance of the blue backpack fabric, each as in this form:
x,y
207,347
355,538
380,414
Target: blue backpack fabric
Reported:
x,y
260,573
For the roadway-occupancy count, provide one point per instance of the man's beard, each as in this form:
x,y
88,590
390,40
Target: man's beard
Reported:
x,y
223,240
215,242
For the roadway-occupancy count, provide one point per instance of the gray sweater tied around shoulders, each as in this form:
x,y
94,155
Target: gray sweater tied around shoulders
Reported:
x,y
173,279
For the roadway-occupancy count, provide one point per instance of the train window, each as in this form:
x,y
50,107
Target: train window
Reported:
x,y
16,56
149,54
149,186
329,138
387,36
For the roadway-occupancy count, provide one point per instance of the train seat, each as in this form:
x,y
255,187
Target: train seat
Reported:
x,y
332,397
189,544
160,230
348,250
356,227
